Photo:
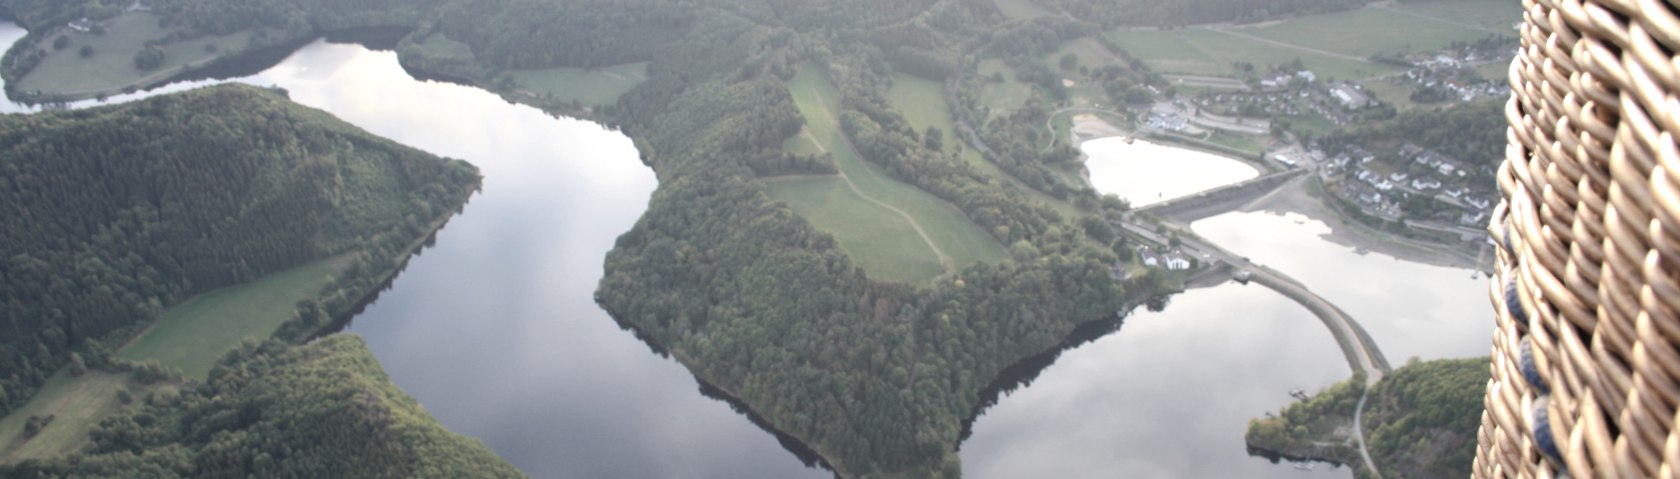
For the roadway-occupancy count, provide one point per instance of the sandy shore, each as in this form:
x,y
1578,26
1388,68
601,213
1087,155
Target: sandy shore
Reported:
x,y
1090,127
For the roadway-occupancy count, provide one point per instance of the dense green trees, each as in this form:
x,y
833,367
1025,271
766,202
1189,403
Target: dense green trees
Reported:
x,y
325,409
113,214
877,376
1420,420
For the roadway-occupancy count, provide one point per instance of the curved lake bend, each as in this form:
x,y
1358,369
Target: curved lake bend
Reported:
x,y
1170,394
1144,173
494,329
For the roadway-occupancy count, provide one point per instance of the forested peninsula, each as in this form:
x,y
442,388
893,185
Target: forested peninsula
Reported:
x,y
1419,422
269,409
876,374
116,215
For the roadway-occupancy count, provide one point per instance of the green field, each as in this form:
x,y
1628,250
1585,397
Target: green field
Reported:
x,y
194,334
1019,9
1498,71
922,102
896,251
191,337
1398,94
1495,15
1090,52
590,87
1203,51
1005,96
853,219
1333,45
437,45
76,404
1368,31
111,68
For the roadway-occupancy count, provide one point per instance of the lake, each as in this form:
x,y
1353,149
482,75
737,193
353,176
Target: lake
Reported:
x,y
495,331
1170,394
1144,173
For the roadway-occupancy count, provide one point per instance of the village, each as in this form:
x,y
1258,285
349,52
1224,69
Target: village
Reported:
x,y
1430,192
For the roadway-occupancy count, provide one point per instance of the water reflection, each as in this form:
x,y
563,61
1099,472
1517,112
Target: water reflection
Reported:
x,y
1169,396
1410,309
1171,393
1143,173
494,329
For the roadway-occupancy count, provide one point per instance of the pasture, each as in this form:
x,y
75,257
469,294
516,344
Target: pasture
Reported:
x,y
111,68
947,230
192,335
595,87
923,104
1021,9
77,404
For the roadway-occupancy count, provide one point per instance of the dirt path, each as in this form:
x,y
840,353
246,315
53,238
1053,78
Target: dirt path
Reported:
x,y
1291,45
944,261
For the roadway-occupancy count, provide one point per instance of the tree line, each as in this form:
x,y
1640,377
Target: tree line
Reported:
x,y
114,214
271,409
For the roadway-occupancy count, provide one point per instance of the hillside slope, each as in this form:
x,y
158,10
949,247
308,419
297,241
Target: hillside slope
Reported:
x,y
325,409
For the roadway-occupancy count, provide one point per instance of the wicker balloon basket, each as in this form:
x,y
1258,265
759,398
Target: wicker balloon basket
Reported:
x,y
1586,358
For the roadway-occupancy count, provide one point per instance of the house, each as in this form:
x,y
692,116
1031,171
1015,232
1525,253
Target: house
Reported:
x,y
1425,184
1349,97
1398,177
1178,264
83,25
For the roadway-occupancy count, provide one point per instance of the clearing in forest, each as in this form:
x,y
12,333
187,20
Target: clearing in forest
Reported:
x,y
1021,9
190,337
194,334
110,67
1005,95
76,405
874,216
595,87
922,102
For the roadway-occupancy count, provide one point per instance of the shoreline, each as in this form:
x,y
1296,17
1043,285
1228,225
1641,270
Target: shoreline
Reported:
x,y
1293,197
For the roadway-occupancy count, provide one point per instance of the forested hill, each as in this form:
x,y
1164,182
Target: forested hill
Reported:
x,y
325,409
1420,421
110,215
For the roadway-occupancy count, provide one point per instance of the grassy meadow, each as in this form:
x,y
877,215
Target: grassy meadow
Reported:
x,y
590,87
1020,9
66,72
1005,96
949,230
1368,31
76,404
894,249
192,335
1333,45
923,104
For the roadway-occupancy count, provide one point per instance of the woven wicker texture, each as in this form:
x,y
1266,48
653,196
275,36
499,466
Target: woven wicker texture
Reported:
x,y
1585,358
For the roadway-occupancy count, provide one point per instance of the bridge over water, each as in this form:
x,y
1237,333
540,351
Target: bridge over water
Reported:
x,y
1357,346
